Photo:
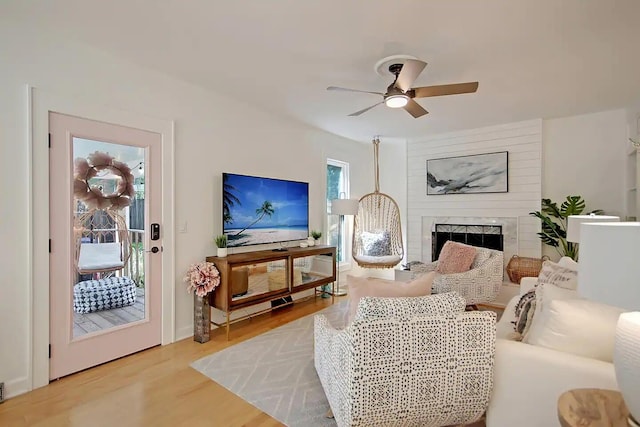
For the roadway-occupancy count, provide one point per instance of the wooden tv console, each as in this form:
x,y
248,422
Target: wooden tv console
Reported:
x,y
267,275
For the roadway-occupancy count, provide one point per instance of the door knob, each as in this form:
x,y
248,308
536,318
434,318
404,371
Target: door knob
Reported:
x,y
154,249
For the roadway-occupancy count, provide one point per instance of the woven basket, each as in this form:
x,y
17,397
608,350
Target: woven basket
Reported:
x,y
520,266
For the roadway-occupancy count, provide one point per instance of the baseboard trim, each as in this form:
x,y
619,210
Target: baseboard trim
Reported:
x,y
16,387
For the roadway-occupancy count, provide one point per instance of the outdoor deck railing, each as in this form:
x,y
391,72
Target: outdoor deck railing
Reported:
x,y
134,268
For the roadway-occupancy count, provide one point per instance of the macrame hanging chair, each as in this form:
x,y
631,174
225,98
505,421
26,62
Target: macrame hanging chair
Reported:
x,y
377,235
102,241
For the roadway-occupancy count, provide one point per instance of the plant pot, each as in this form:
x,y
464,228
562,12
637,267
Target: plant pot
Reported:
x,y
201,318
222,252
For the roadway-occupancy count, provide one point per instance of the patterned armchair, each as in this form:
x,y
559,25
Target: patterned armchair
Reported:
x,y
407,361
480,284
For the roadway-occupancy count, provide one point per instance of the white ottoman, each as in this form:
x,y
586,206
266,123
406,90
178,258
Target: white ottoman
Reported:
x,y
103,294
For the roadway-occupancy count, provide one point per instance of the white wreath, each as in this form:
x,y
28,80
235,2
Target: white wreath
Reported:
x,y
92,196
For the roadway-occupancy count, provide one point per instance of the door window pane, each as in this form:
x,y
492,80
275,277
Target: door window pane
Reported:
x,y
337,188
108,239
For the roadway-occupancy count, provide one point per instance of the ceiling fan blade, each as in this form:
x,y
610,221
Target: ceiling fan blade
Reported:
x,y
357,113
409,73
415,109
344,89
452,89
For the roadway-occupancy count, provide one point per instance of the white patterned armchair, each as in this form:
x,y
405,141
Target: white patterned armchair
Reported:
x,y
480,284
407,362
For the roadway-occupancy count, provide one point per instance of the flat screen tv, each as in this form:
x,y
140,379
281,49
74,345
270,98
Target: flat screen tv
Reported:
x,y
258,210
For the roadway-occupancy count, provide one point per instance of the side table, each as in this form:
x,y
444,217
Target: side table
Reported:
x,y
592,407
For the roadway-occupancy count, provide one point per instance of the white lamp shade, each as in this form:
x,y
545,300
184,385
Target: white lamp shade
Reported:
x,y
575,221
344,206
626,360
609,267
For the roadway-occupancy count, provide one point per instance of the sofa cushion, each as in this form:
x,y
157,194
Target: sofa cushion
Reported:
x,y
568,262
444,304
455,258
558,275
524,310
372,287
579,326
545,293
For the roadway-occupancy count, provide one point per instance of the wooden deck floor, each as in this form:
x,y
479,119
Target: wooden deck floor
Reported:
x,y
93,322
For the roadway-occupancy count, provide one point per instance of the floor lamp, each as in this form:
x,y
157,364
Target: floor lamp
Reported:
x,y
342,207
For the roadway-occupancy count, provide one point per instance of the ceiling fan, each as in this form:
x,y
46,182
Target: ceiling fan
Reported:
x,y
400,94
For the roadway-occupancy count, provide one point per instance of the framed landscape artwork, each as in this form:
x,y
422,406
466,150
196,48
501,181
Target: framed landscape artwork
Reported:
x,y
480,173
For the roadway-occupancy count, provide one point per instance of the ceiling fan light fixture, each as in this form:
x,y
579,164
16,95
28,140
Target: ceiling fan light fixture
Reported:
x,y
396,101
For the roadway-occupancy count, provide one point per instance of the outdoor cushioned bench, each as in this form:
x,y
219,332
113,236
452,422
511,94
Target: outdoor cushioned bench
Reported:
x,y
103,294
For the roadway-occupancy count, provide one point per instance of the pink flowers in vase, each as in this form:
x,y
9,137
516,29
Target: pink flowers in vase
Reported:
x,y
202,278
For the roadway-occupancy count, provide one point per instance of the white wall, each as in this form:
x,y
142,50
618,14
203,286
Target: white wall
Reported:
x,y
632,178
212,134
523,142
585,155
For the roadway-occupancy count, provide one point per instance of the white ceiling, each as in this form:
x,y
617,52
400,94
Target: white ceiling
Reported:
x,y
533,58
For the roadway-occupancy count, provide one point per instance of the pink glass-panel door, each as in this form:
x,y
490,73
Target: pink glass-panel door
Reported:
x,y
105,275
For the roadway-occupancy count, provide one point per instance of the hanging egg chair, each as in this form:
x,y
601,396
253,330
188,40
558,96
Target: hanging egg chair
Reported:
x,y
377,236
101,235
102,241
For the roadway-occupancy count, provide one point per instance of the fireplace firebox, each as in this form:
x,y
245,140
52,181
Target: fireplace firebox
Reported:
x,y
486,236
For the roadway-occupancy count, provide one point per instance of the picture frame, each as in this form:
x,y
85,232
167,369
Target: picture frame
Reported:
x,y
477,173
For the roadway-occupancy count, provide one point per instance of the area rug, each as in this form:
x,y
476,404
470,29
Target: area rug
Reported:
x,y
274,371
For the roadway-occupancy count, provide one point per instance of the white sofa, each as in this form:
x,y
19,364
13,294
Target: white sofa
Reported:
x,y
528,379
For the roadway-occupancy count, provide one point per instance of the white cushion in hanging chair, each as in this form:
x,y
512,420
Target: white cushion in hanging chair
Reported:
x,y
371,261
100,256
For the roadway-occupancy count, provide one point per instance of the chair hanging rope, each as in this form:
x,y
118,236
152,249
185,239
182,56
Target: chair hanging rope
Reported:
x,y
377,236
376,150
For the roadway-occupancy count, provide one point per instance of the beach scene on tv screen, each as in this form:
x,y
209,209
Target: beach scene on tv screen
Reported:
x,y
264,210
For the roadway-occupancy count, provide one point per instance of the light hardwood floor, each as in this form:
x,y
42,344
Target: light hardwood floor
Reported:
x,y
155,387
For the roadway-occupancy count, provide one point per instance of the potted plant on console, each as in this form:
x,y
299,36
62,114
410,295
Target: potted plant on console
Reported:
x,y
316,235
221,243
202,278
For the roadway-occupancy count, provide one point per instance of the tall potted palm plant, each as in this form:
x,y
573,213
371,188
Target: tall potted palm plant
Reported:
x,y
554,223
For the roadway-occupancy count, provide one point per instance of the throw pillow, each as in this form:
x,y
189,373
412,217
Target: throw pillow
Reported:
x,y
545,293
376,244
555,274
568,262
404,308
371,287
524,312
582,327
455,258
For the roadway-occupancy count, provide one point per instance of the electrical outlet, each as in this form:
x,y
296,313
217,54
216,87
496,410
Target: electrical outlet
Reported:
x,y
1,392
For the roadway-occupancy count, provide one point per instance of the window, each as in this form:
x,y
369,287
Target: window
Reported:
x,y
337,187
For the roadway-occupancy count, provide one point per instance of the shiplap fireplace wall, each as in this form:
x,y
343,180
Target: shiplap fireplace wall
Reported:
x,y
523,141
